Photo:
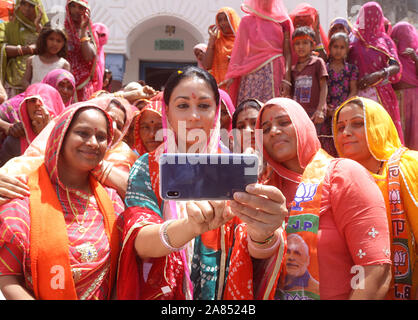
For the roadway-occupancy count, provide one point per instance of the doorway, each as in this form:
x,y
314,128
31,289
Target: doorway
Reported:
x,y
155,73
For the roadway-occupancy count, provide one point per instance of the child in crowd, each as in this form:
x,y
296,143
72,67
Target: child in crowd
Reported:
x,y
342,83
52,50
309,77
343,76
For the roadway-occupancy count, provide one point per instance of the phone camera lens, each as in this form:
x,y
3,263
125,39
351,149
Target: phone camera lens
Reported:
x,y
173,194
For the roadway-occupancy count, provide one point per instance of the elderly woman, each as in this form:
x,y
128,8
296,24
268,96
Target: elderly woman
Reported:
x,y
60,79
40,105
364,132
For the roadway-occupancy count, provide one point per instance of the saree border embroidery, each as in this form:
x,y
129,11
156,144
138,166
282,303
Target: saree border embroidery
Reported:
x,y
222,271
400,247
277,267
97,282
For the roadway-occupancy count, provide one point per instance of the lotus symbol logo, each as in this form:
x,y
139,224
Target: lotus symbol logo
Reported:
x,y
304,193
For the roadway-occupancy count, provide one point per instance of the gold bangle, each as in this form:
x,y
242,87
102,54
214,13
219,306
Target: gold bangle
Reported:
x,y
84,39
268,240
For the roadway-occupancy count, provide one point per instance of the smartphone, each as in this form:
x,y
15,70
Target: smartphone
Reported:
x,y
188,176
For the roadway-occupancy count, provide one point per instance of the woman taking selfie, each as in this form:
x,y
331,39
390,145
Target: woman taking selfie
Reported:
x,y
194,243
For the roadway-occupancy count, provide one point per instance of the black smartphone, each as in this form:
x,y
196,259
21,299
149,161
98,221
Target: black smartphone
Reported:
x,y
186,176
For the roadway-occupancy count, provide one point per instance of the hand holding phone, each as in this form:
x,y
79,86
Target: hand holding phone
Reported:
x,y
186,176
262,208
208,215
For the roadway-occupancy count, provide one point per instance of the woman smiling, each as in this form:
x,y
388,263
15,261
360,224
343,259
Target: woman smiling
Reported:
x,y
195,244
64,233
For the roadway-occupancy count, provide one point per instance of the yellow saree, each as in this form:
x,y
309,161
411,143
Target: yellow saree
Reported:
x,y
383,142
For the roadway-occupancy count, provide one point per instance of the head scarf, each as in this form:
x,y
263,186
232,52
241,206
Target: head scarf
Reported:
x,y
55,77
224,44
102,34
307,140
23,20
104,104
47,195
171,209
261,37
155,107
171,142
56,138
84,71
230,108
370,29
383,140
309,15
405,36
202,47
273,10
9,110
6,10
52,102
382,136
342,21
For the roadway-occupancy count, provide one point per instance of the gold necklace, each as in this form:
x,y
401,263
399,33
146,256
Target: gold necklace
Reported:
x,y
80,228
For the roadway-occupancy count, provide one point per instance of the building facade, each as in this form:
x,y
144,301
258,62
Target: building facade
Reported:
x,y
150,37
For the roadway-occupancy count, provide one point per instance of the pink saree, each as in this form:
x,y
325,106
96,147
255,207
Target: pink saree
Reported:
x,y
55,77
372,51
102,34
406,36
259,42
85,72
52,104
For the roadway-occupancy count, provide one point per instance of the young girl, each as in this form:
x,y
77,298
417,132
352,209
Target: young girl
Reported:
x,y
342,80
52,50
342,83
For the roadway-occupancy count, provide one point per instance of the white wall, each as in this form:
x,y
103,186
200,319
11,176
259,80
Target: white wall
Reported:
x,y
143,49
134,24
123,16
141,39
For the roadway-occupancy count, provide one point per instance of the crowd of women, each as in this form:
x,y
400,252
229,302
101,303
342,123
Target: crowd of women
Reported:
x,y
334,214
